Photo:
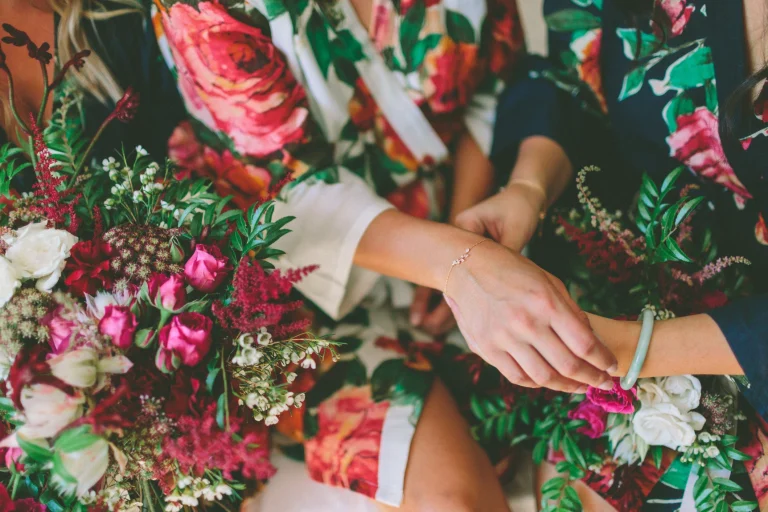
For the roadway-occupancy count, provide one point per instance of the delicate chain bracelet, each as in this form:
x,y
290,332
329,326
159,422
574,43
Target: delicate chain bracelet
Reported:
x,y
458,261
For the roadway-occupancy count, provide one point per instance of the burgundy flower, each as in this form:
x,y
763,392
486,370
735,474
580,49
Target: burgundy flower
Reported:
x,y
616,400
126,107
88,268
188,336
594,415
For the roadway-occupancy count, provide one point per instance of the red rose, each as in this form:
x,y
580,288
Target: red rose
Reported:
x,y
234,79
207,268
616,400
88,268
345,450
120,324
594,415
188,337
169,291
696,143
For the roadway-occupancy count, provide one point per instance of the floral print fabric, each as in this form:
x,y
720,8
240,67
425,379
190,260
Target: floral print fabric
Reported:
x,y
281,90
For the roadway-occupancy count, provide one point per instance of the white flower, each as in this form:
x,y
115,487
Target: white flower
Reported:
x,y
299,399
684,391
712,451
98,303
48,410
665,425
308,364
86,466
264,338
82,368
245,340
9,281
290,377
141,151
271,420
40,253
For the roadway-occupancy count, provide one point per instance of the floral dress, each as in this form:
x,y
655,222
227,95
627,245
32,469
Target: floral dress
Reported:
x,y
633,96
360,120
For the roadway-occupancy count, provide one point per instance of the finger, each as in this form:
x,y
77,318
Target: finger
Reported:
x,y
560,357
566,295
511,371
420,304
440,320
470,221
542,373
471,343
579,337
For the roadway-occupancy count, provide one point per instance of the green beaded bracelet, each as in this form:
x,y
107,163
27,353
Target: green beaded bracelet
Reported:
x,y
646,331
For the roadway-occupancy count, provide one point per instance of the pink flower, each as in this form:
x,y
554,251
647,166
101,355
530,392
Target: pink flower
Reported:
x,y
170,290
185,151
594,415
188,336
207,268
696,143
678,12
120,324
60,331
616,400
234,79
345,450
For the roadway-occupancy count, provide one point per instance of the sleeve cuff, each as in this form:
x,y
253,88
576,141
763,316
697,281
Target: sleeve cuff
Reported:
x,y
330,221
744,324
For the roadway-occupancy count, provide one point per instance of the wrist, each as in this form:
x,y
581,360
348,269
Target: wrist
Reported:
x,y
620,337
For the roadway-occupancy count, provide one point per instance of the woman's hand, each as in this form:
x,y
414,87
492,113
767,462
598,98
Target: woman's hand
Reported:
x,y
520,319
509,217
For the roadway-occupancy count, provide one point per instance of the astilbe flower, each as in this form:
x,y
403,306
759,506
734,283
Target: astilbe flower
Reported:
x,y
50,202
262,299
718,410
198,444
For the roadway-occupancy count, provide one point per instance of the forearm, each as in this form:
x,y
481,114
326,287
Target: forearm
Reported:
x,y
420,251
472,177
686,345
542,164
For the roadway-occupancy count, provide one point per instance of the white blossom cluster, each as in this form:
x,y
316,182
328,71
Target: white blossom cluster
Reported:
x,y
191,490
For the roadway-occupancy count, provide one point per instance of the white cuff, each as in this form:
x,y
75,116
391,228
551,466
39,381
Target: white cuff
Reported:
x,y
330,221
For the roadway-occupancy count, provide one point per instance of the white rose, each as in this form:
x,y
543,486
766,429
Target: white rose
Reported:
x,y
651,393
86,466
665,425
40,253
48,410
9,281
684,391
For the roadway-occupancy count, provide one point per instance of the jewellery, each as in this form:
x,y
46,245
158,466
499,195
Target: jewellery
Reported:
x,y
458,261
533,186
646,331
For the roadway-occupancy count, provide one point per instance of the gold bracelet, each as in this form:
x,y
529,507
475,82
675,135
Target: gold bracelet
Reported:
x,y
458,261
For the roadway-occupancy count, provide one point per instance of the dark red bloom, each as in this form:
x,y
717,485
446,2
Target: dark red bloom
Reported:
x,y
714,299
16,37
184,399
31,367
126,107
88,268
113,412
77,61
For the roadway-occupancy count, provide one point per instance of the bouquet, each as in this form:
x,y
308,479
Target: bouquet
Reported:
x,y
680,431
146,343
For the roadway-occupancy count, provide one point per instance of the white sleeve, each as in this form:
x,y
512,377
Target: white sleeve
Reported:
x,y
330,221
480,118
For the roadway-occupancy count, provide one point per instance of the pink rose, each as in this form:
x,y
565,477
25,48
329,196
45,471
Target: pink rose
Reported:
x,y
12,456
207,268
696,143
170,290
185,151
188,336
60,331
594,415
678,12
120,324
234,79
616,400
345,450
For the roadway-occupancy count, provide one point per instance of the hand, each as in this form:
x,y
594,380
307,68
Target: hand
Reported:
x,y
521,320
430,312
509,217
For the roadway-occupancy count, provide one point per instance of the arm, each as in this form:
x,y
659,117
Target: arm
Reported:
x,y
687,345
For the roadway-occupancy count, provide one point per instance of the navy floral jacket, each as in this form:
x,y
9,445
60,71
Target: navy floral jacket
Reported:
x,y
635,101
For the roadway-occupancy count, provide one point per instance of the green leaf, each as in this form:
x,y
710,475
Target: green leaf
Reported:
x,y
728,485
410,28
701,483
317,34
540,451
76,439
633,82
669,181
459,27
679,105
556,483
571,20
736,454
657,453
573,452
60,471
690,71
743,506
677,475
347,47
33,450
421,49
688,207
220,411
649,43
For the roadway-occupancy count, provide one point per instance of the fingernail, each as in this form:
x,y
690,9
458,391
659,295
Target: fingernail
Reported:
x,y
613,368
416,319
606,386
581,390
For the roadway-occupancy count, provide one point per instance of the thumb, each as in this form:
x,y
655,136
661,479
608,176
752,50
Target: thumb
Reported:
x,y
419,305
471,220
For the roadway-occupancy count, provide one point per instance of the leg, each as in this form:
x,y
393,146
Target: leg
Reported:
x,y
589,499
447,470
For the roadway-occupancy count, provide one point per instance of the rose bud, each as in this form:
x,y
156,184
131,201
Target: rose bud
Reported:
x,y
167,292
188,336
207,268
120,324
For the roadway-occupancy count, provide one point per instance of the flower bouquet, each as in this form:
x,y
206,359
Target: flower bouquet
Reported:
x,y
678,432
145,341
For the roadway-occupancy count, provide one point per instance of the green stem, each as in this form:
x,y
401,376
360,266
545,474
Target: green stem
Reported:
x,y
224,379
12,100
88,150
46,93
16,478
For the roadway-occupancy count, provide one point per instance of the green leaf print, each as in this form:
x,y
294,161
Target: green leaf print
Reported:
x,y
570,20
633,82
317,33
346,46
679,105
274,8
343,373
410,28
649,43
459,27
587,3
421,48
346,71
393,380
711,96
693,69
